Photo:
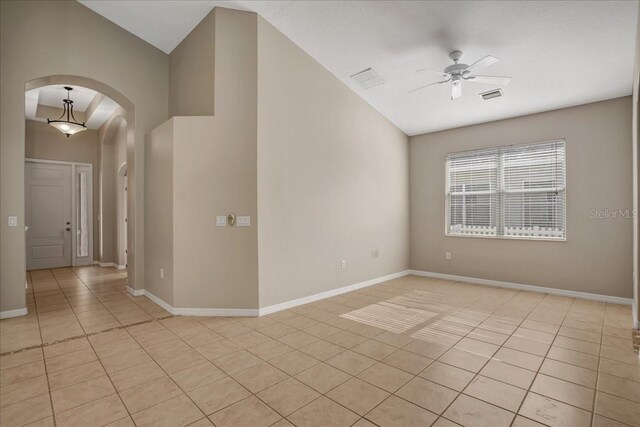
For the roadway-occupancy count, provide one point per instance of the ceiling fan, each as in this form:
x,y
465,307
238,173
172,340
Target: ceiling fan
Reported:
x,y
456,73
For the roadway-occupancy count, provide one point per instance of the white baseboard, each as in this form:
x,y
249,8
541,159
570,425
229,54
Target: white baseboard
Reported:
x,y
7,314
252,312
210,312
157,300
110,264
83,264
135,292
103,264
520,286
217,312
634,310
327,294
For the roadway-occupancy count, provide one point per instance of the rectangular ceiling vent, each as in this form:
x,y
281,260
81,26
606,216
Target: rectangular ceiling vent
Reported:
x,y
367,78
495,93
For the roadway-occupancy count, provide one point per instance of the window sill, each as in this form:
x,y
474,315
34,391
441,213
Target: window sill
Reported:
x,y
543,239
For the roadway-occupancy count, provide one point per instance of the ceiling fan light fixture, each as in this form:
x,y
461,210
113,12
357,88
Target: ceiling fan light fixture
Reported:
x,y
67,123
458,71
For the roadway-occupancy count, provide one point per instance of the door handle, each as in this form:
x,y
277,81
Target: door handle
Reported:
x,y
68,228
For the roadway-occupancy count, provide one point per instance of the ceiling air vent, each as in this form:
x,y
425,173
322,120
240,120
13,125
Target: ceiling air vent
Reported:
x,y
367,78
496,93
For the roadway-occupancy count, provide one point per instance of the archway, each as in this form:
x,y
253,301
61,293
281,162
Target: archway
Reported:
x,y
125,115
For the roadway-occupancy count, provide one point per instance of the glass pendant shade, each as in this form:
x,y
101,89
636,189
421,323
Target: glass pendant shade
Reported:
x,y
68,128
67,123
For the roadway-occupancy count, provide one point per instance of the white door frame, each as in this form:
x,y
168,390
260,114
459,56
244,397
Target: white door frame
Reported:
x,y
75,260
122,215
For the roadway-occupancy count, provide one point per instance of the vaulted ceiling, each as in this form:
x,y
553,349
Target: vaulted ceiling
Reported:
x,y
559,53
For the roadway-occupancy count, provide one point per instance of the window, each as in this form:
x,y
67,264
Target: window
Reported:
x,y
82,227
512,192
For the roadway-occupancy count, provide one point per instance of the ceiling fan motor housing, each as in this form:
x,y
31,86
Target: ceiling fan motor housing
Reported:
x,y
456,69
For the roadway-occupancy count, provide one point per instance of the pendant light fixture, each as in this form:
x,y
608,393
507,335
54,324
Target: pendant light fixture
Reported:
x,y
67,123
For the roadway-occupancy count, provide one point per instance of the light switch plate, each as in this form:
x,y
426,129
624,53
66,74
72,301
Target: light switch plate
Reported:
x,y
221,221
243,221
13,221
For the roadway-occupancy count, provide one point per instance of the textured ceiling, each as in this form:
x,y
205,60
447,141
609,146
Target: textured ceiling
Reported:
x,y
559,53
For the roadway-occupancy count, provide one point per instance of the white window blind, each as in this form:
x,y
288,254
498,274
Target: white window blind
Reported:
x,y
515,192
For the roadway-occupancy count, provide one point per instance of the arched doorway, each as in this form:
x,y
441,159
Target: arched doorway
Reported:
x,y
126,116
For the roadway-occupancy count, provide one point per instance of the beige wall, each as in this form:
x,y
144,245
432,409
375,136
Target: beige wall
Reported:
x,y
596,255
44,142
323,166
332,179
213,173
158,199
86,45
113,153
191,72
214,164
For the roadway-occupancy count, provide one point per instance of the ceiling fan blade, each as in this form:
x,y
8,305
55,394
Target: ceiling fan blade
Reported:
x,y
456,90
498,80
440,73
430,84
484,62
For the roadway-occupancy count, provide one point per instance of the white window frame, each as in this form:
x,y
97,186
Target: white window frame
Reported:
x,y
501,192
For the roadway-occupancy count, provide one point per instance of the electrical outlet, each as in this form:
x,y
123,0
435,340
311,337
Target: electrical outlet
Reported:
x,y
162,273
344,263
448,256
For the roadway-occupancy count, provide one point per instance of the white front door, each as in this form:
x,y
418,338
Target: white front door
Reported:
x,y
48,215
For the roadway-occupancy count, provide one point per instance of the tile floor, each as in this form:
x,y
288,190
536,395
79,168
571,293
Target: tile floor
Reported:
x,y
408,352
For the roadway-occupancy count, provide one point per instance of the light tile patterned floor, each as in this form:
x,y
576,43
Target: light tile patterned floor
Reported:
x,y
65,303
412,351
